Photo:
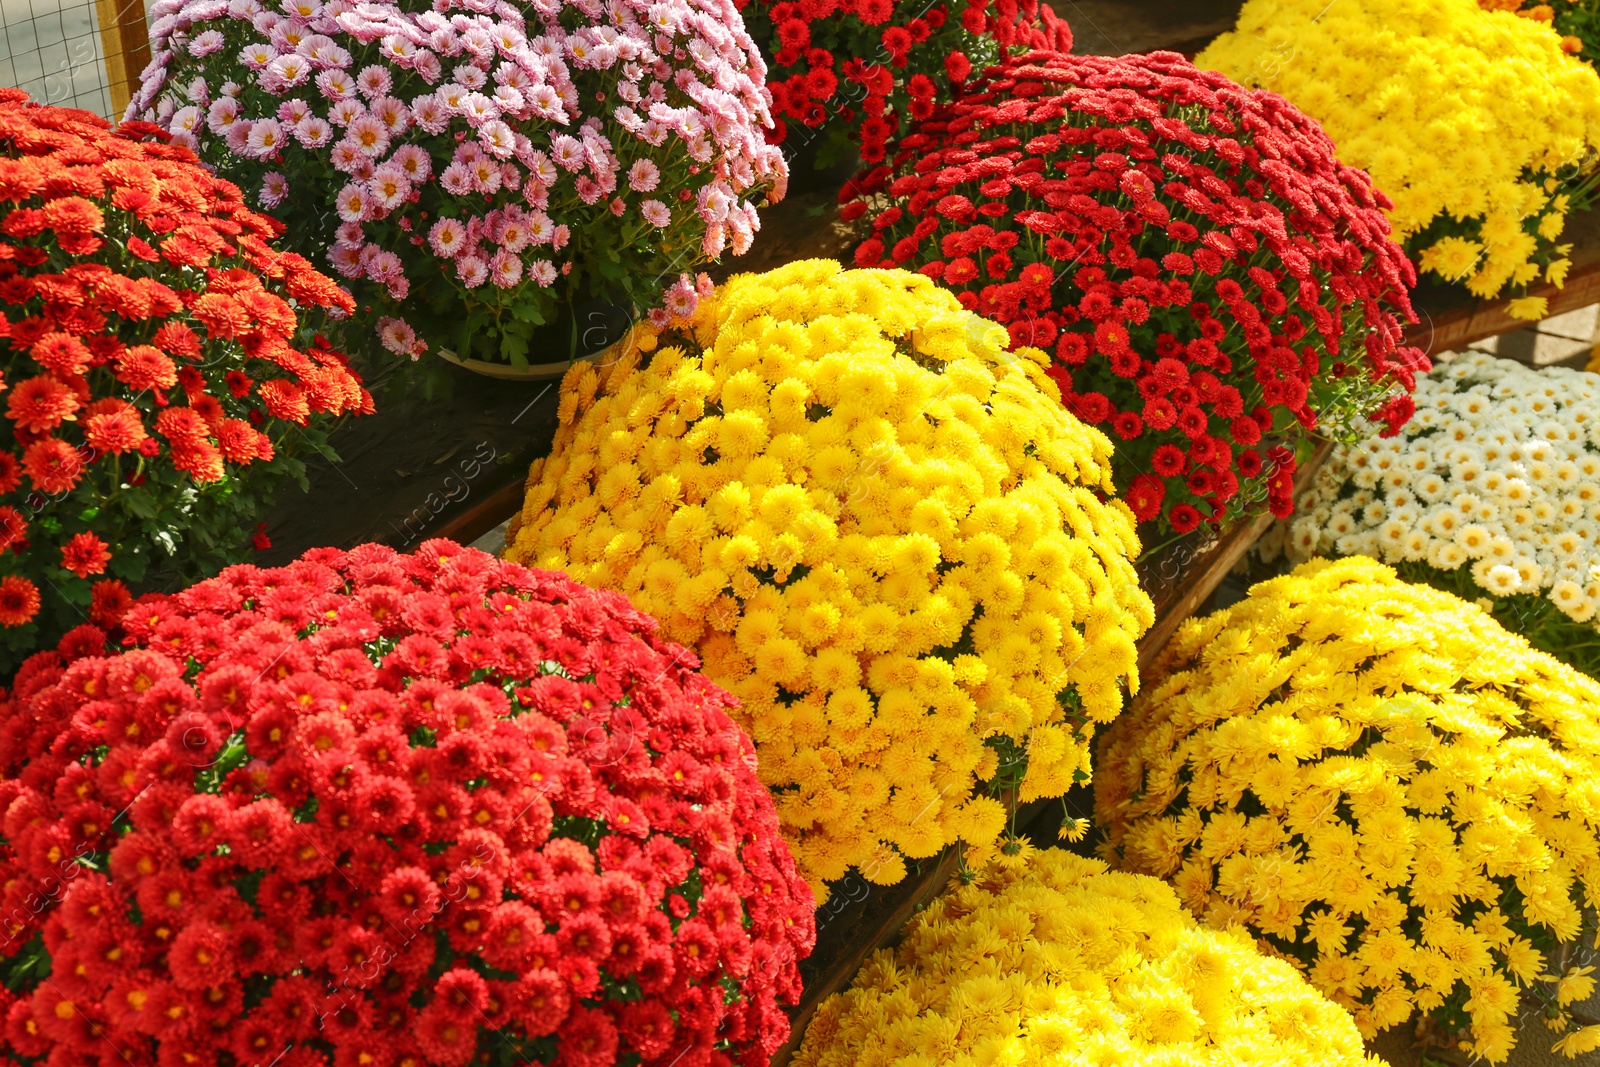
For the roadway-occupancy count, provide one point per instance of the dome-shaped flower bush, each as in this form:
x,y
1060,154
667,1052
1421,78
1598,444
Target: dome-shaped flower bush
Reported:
x,y
388,810
474,167
1212,282
860,69
1049,958
1476,124
1384,786
1492,492
881,532
1576,22
157,387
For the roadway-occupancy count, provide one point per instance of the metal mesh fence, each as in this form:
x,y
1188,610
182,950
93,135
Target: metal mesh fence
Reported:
x,y
75,53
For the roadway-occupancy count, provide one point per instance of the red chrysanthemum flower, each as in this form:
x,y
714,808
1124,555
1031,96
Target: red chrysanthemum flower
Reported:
x,y
143,367
13,527
265,834
19,600
39,404
113,426
53,465
1156,219
61,353
1145,495
85,554
108,602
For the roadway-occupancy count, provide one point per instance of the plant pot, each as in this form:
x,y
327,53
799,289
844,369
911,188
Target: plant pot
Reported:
x,y
533,372
590,330
820,160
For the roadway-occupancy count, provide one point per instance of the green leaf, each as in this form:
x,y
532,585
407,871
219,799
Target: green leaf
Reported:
x,y
130,566
515,352
233,755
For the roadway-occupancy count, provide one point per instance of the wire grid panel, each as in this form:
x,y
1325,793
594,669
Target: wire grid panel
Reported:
x,y
74,53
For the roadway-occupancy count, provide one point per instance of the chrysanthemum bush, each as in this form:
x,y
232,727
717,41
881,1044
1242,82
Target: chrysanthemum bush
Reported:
x,y
860,70
1492,492
1477,125
474,167
157,385
880,530
388,810
1049,958
1577,22
1386,787
1212,282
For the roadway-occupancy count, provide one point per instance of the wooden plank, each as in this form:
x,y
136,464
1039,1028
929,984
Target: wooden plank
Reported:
x,y
125,44
1121,27
1184,576
901,901
479,518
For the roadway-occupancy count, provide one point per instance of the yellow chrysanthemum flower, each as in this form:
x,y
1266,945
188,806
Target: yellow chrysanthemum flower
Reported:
x,y
881,531
1467,119
1050,959
1445,821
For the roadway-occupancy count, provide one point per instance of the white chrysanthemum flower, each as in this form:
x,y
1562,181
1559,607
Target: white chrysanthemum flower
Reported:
x,y
1498,475
1430,487
1303,536
1584,609
1473,539
1503,580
